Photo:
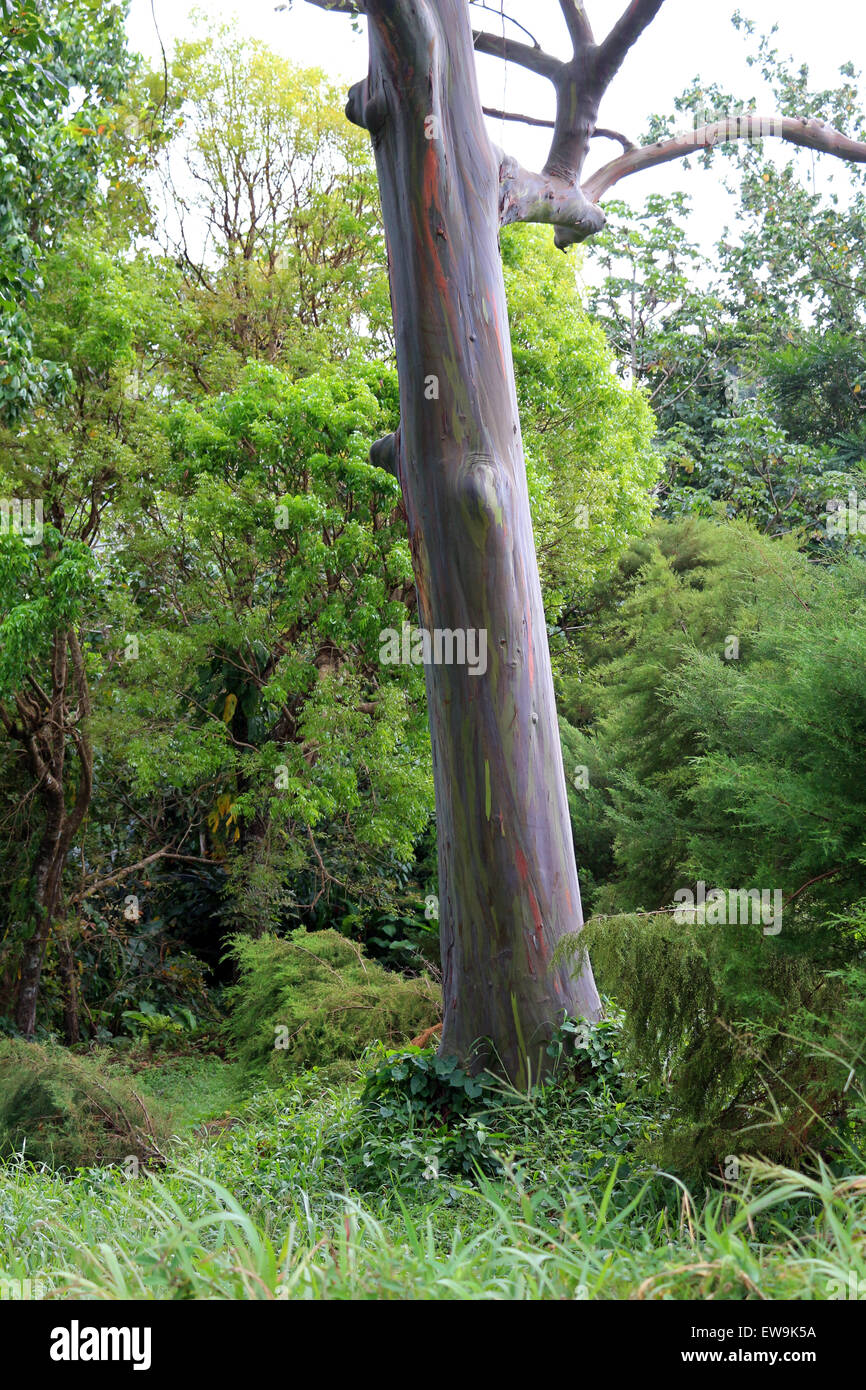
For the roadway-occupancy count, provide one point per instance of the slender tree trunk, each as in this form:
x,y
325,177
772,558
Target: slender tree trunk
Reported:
x,y
508,881
69,976
44,735
45,888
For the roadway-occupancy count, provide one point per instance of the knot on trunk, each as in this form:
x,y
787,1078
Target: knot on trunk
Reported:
x,y
367,109
479,488
384,454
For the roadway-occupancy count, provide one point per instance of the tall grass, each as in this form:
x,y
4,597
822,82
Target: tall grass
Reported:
x,y
266,1210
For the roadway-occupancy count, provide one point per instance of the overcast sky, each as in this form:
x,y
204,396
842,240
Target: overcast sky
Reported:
x,y
688,38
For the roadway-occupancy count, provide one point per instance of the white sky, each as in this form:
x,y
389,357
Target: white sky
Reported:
x,y
687,39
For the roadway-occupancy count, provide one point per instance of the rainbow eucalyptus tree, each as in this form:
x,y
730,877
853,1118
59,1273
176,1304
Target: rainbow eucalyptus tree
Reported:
x,y
508,882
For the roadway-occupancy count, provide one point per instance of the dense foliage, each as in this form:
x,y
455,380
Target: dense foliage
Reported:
x,y
217,858
311,998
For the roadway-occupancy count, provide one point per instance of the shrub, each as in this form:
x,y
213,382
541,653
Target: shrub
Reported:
x,y
65,1111
424,1117
312,998
769,1086
729,762
593,1049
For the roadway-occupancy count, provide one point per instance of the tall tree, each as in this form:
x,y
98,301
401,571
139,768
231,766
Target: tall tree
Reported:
x,y
508,882
269,206
64,468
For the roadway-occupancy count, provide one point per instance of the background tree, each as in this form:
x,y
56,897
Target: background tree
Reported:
x,y
269,206
77,461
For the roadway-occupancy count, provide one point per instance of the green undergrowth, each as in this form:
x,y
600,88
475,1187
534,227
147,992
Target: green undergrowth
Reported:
x,y
195,1087
267,1209
65,1110
401,1178
313,998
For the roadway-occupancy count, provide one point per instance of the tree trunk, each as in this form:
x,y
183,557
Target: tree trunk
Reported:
x,y
45,891
69,976
508,881
44,734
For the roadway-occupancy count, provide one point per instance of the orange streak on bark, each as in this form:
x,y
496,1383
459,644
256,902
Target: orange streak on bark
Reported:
x,y
537,919
498,333
431,204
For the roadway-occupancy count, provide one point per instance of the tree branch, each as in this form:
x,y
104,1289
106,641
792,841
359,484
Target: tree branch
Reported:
x,y
577,98
579,27
624,34
515,116
479,4
339,6
142,864
809,133
601,133
535,59
385,453
528,197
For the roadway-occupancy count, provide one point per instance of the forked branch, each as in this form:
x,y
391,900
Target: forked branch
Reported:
x,y
580,84
559,195
528,197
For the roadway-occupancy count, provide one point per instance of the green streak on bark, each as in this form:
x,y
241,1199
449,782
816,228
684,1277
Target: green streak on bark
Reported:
x,y
520,1080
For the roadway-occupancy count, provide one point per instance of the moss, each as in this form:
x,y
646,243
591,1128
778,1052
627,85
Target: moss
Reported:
x,y
66,1111
312,998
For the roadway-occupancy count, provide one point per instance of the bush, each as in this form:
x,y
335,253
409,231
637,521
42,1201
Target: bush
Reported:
x,y
424,1117
592,1049
772,1086
311,998
728,762
66,1111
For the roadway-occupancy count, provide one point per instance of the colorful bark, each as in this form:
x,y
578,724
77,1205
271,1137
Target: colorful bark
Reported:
x,y
508,881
